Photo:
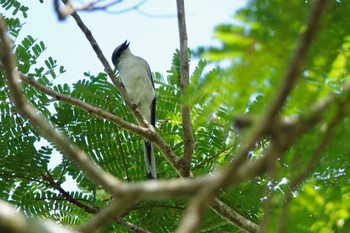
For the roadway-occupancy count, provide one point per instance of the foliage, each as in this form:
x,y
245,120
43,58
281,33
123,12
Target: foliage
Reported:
x,y
254,54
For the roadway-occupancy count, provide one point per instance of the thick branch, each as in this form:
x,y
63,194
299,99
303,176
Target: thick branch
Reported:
x,y
184,82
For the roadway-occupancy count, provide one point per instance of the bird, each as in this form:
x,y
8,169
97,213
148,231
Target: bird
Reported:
x,y
136,77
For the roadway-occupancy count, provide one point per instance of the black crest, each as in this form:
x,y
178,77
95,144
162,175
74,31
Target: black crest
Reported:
x,y
118,51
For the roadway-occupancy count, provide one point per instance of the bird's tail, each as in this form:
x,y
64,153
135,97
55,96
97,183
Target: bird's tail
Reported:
x,y
149,160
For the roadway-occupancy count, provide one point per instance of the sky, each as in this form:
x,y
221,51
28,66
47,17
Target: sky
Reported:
x,y
152,31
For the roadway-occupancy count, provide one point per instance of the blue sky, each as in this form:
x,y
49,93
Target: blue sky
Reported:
x,y
154,37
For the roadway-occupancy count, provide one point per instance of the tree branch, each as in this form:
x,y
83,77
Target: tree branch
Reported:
x,y
233,216
96,111
92,5
184,82
52,183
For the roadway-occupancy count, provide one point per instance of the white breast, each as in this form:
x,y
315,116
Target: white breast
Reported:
x,y
135,76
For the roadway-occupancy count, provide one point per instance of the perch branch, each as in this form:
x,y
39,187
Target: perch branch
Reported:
x,y
152,134
107,67
99,112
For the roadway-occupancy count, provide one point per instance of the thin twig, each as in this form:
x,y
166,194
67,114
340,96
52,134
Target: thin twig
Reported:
x,y
233,216
184,82
92,5
130,226
53,184
87,208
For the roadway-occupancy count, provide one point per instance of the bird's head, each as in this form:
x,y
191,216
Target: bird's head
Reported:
x,y
119,51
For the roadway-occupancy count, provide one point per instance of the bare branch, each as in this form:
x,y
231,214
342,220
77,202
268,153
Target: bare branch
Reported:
x,y
99,112
97,5
93,5
233,216
184,82
130,226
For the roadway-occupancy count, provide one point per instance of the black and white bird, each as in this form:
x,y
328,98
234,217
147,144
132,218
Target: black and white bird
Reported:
x,y
136,76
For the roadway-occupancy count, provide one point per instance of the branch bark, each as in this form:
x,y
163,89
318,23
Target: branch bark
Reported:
x,y
184,82
233,216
